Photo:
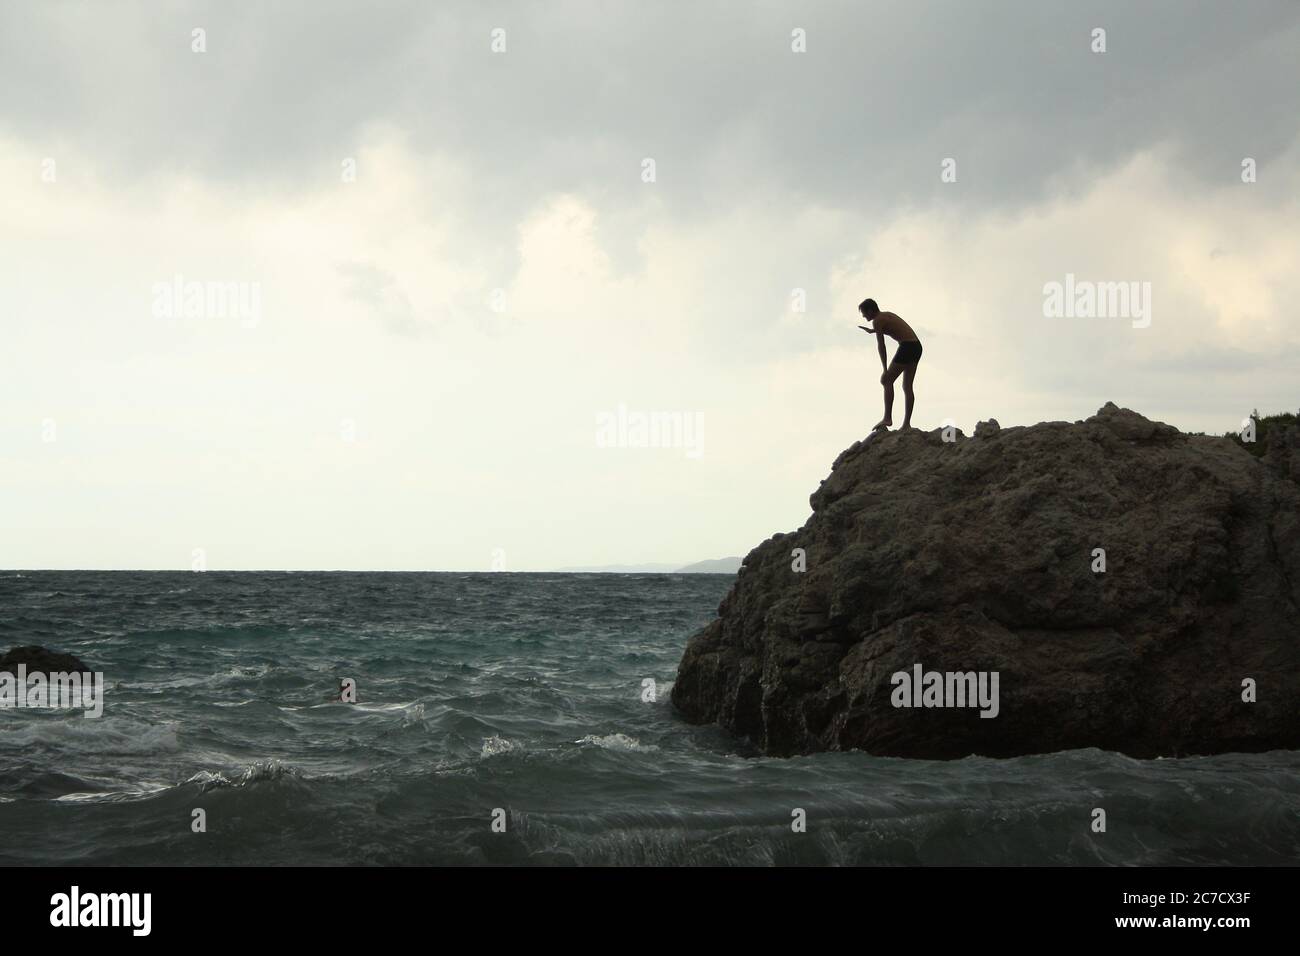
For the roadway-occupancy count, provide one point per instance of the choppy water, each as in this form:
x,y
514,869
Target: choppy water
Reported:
x,y
521,692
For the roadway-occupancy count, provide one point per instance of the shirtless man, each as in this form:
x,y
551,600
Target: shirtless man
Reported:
x,y
905,359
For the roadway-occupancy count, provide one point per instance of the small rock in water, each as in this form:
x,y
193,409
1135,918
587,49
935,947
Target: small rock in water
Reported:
x,y
40,660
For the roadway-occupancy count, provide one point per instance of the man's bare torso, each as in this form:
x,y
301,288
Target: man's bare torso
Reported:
x,y
894,327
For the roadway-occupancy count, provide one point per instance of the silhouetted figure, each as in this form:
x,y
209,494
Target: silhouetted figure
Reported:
x,y
905,359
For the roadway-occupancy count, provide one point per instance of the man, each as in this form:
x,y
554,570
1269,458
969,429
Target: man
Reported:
x,y
905,359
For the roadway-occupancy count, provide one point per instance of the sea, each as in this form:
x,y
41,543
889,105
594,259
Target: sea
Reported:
x,y
517,719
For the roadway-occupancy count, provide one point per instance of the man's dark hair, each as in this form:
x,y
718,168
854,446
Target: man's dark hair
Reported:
x,y
869,307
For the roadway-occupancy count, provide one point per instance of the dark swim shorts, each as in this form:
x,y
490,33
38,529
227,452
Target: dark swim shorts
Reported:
x,y
909,353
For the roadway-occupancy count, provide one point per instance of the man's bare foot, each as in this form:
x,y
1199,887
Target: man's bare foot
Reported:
x,y
905,427
883,423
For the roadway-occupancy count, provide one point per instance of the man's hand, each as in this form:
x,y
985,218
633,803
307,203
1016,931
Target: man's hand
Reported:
x,y
884,377
865,329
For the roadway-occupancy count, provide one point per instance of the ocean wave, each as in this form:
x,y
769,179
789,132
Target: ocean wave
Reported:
x,y
367,707
257,772
617,742
206,637
140,792
104,735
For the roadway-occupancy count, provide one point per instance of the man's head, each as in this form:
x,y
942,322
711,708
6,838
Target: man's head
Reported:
x,y
869,309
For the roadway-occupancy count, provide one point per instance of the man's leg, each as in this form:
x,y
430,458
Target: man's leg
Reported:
x,y
887,380
909,374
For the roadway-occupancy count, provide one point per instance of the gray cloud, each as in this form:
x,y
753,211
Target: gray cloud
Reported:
x,y
710,90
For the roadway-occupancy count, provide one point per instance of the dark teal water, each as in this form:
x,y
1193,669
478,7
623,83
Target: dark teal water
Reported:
x,y
521,692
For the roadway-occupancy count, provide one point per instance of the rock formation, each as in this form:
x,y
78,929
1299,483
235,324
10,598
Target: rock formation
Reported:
x,y
39,660
981,555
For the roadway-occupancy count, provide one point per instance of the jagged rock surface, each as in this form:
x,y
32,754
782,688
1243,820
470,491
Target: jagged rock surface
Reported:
x,y
977,555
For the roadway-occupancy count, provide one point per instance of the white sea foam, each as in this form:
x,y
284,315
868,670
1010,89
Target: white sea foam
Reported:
x,y
617,742
113,796
494,746
272,769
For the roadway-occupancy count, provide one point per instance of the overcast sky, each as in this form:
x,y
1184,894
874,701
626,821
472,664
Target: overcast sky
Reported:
x,y
456,266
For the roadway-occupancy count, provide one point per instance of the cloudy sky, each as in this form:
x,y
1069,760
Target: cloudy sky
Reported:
x,y
455,241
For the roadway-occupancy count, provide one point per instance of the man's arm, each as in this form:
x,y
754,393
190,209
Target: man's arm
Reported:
x,y
884,359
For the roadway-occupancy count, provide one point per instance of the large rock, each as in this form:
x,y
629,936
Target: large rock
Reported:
x,y
977,554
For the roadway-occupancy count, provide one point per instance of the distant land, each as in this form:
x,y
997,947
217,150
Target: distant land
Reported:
x,y
711,566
